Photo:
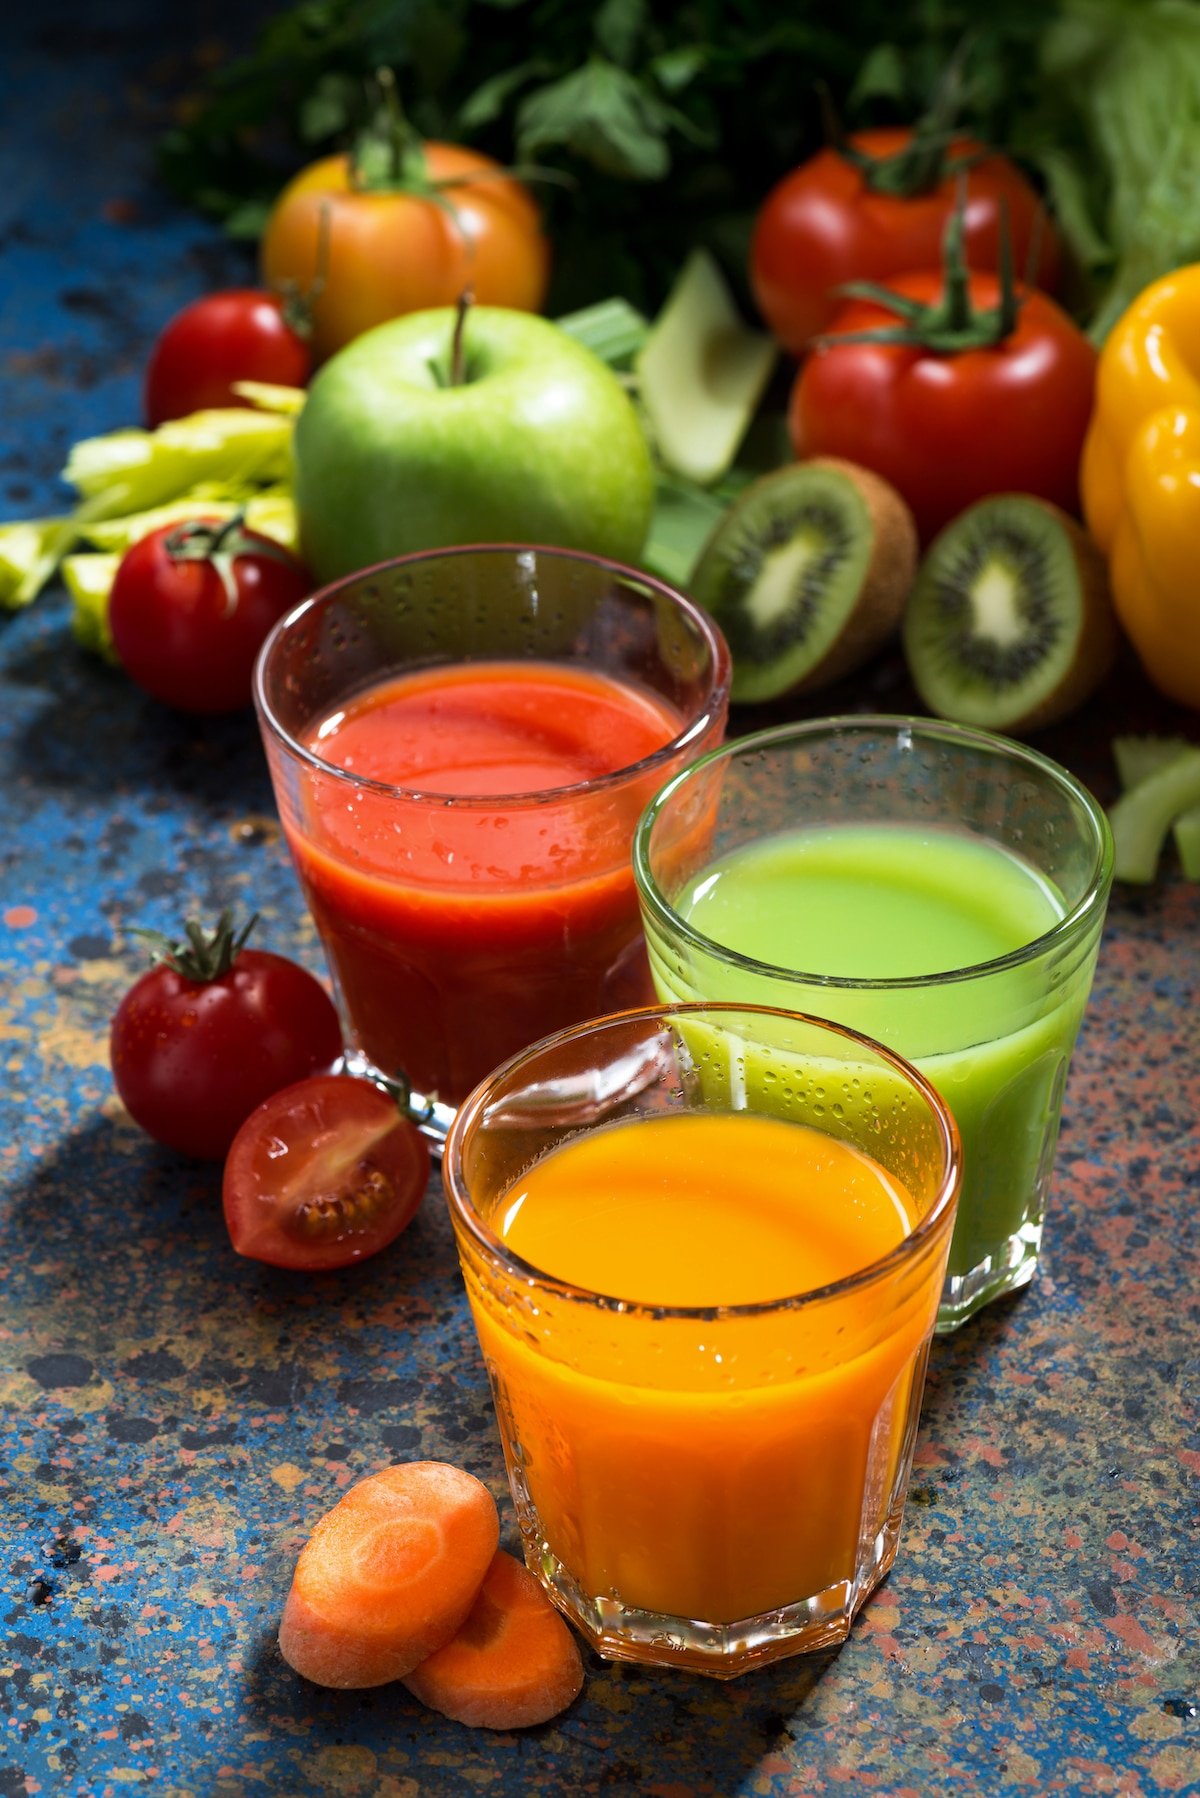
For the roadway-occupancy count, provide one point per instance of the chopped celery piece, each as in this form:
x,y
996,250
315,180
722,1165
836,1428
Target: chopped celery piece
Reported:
x,y
22,548
140,469
271,512
683,519
58,535
612,329
269,397
117,534
1141,817
1187,842
685,515
230,455
275,516
701,374
88,579
1137,758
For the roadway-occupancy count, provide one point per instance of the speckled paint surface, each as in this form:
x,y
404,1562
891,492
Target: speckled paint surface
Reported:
x,y
172,1419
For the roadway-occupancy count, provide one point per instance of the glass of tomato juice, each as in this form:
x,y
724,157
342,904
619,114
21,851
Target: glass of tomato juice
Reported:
x,y
705,1301
937,887
460,743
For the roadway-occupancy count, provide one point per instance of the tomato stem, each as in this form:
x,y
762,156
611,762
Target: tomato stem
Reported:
x,y
954,323
200,957
925,160
220,545
388,155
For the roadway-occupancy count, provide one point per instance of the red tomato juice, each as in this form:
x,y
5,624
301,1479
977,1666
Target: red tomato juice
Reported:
x,y
460,922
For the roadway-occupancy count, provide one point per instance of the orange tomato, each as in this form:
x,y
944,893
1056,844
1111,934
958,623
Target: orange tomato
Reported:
x,y
391,252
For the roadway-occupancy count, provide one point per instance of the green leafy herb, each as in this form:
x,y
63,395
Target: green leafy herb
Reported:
x,y
1121,155
699,104
702,106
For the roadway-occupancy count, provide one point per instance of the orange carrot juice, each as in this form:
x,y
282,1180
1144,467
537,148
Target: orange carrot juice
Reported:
x,y
684,1458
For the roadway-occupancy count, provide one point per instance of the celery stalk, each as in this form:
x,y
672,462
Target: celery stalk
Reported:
x,y
683,519
1141,817
269,512
88,579
148,468
1138,758
23,546
612,329
268,396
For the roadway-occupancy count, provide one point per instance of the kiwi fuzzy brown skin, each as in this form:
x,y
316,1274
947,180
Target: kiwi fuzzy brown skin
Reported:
x,y
890,575
1096,642
878,607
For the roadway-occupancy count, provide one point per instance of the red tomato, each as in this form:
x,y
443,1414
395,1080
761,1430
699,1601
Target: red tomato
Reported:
x,y
323,1174
391,252
947,428
211,1031
190,606
824,225
243,334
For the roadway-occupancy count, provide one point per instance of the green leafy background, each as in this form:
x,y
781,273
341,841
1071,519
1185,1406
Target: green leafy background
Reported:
x,y
670,121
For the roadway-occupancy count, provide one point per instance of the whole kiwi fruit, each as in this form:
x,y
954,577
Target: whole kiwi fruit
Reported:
x,y
1009,625
807,575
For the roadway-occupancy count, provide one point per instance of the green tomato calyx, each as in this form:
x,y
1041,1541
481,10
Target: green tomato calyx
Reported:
x,y
196,540
953,323
927,158
201,957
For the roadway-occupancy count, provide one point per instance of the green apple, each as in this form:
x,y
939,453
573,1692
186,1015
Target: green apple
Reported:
x,y
538,442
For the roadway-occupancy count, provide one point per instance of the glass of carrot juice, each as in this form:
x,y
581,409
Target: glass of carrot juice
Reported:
x,y
704,1285
460,744
939,888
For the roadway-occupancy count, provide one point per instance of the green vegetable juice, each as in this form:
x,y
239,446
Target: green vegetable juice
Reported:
x,y
928,916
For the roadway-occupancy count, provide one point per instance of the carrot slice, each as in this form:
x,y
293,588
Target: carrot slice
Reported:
x,y
514,1661
389,1574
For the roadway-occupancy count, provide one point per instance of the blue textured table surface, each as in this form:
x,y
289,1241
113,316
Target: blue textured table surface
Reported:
x,y
172,1419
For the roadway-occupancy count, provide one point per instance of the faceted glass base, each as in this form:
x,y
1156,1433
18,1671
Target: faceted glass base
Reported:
x,y
1007,1270
722,1650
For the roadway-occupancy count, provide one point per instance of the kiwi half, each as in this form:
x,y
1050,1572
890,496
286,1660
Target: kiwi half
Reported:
x,y
807,575
1010,625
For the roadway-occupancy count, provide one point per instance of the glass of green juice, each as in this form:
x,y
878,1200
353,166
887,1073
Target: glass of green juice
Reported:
x,y
938,888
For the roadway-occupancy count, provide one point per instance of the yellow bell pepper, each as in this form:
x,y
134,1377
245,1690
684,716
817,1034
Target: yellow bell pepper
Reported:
x,y
1140,478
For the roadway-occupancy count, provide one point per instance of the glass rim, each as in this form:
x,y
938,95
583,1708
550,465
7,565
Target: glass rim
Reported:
x,y
1071,924
908,1249
706,629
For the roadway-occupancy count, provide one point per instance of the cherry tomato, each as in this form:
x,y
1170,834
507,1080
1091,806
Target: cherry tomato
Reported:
x,y
948,428
243,334
390,252
323,1174
210,1031
824,225
190,606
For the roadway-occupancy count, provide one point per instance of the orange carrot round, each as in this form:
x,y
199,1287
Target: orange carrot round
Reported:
x,y
514,1661
388,1575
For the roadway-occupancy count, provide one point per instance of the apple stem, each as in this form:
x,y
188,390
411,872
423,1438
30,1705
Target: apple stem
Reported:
x,y
457,348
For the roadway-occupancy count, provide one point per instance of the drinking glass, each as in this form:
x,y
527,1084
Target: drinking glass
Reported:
x,y
709,1486
460,925
955,822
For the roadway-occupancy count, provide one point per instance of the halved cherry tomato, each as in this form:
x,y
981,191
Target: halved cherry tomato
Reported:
x,y
240,334
825,225
323,1174
368,254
